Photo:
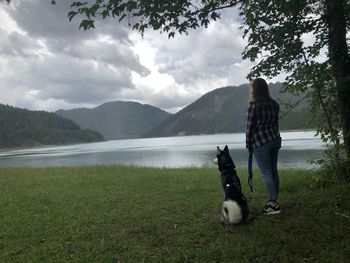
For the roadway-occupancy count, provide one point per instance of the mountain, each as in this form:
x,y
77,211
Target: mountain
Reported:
x,y
22,127
224,111
118,119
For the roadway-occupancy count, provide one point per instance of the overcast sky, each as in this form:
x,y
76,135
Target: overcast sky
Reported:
x,y
47,63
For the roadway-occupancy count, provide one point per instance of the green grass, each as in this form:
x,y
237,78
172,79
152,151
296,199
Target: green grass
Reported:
x,y
128,214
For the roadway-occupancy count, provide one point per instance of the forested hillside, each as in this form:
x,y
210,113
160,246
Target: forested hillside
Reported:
x,y
118,119
224,111
21,127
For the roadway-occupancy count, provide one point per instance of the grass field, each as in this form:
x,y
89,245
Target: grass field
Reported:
x,y
129,214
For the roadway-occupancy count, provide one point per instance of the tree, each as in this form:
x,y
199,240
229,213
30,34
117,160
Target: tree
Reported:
x,y
276,31
166,16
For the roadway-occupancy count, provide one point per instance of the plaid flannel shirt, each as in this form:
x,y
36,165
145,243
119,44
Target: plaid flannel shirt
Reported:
x,y
262,123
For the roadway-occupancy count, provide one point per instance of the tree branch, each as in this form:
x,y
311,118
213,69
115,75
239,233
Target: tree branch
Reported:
x,y
318,89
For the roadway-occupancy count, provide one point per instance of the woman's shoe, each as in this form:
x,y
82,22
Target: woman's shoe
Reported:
x,y
271,210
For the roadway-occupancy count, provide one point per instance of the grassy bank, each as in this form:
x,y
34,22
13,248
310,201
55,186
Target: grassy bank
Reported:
x,y
126,214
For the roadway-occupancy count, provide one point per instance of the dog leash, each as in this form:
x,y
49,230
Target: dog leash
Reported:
x,y
250,174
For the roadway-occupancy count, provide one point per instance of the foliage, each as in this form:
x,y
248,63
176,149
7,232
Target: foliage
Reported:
x,y
335,168
280,41
21,127
166,16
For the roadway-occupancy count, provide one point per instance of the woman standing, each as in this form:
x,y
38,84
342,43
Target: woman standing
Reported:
x,y
263,138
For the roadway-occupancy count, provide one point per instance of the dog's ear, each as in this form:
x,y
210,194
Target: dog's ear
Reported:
x,y
226,148
218,151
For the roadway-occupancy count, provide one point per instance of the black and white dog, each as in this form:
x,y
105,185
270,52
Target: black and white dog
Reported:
x,y
235,207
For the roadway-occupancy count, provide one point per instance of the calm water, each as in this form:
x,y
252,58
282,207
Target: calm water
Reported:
x,y
297,149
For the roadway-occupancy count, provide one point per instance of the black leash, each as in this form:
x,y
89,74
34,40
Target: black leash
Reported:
x,y
250,174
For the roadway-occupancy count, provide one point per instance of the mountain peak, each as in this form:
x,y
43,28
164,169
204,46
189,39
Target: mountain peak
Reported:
x,y
118,119
223,110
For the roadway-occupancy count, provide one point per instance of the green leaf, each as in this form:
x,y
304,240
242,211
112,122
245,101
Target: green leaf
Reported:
x,y
87,24
122,17
78,4
71,15
171,34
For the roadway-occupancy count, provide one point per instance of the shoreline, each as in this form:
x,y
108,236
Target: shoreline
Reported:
x,y
171,152
123,139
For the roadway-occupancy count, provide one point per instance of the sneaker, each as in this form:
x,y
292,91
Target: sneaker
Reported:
x,y
271,210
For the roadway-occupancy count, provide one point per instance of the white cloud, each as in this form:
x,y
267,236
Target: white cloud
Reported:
x,y
48,64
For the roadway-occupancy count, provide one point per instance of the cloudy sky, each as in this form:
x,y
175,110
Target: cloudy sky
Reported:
x,y
47,63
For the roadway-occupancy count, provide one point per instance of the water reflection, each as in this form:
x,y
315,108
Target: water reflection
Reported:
x,y
297,148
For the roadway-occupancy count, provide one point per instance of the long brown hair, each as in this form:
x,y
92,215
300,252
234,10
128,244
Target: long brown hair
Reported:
x,y
259,90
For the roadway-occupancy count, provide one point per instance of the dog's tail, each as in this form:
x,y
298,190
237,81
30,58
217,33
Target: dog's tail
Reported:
x,y
231,212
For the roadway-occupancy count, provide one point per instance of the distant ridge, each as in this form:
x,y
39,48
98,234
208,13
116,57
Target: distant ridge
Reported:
x,y
118,119
223,110
23,128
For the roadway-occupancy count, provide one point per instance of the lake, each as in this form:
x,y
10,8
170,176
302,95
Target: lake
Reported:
x,y
182,151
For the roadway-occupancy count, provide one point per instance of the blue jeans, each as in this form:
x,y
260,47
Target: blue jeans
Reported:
x,y
266,157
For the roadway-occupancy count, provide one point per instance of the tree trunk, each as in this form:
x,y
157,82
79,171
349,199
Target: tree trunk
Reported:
x,y
340,61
